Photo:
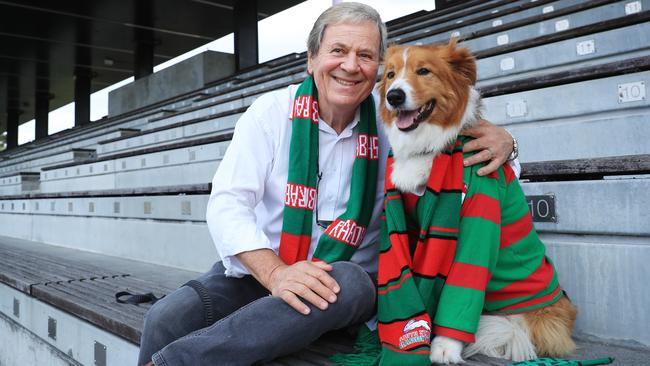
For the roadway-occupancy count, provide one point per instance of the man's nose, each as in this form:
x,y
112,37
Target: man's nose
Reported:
x,y
350,63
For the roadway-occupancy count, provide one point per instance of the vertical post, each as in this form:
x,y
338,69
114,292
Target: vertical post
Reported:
x,y
42,109
143,38
245,19
81,96
12,127
82,71
42,104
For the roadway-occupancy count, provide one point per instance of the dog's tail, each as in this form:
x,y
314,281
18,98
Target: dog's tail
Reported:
x,y
502,337
551,327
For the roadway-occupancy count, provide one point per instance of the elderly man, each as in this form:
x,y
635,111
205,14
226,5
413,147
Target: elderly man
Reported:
x,y
294,211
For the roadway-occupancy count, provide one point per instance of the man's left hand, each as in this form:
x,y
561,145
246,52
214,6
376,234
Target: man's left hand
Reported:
x,y
494,142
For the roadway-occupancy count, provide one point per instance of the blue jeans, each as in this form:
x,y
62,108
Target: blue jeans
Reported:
x,y
251,326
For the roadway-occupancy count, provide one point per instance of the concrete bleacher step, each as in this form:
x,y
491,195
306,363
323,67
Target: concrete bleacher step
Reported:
x,y
524,105
187,162
467,13
84,284
19,183
584,14
485,20
210,124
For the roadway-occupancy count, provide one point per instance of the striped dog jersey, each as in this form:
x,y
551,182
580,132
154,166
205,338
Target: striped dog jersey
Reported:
x,y
443,263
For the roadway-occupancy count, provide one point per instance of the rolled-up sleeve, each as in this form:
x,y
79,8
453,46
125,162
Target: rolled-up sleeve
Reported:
x,y
238,186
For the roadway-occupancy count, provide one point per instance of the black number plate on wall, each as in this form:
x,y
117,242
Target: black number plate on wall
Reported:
x,y
542,208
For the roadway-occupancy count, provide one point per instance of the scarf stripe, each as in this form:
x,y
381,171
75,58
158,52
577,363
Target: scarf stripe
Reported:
x,y
345,234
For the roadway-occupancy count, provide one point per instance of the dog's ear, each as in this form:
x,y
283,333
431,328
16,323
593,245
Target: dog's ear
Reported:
x,y
461,60
392,49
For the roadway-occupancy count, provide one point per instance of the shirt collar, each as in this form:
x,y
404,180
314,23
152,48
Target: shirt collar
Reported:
x,y
347,132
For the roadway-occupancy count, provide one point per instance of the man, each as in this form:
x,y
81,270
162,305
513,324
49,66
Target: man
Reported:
x,y
294,211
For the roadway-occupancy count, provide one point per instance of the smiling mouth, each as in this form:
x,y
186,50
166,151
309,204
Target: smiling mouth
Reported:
x,y
409,120
344,82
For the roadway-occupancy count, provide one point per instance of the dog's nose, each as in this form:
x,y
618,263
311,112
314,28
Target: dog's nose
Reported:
x,y
396,97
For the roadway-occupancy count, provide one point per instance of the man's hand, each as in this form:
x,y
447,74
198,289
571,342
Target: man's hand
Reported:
x,y
494,142
307,280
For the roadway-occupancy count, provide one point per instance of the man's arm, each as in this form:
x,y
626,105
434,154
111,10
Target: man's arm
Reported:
x,y
237,187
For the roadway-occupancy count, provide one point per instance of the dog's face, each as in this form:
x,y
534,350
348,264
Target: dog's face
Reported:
x,y
426,84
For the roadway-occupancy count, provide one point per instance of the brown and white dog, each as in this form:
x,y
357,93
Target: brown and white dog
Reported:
x,y
427,97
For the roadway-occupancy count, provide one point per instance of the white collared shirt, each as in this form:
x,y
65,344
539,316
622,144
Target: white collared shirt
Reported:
x,y
248,190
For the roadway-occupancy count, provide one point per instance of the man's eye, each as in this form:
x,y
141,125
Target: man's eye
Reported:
x,y
390,74
337,50
422,71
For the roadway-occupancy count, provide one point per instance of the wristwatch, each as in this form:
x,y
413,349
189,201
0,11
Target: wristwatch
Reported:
x,y
515,148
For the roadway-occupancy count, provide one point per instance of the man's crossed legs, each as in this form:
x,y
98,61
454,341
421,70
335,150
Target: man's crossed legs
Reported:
x,y
250,326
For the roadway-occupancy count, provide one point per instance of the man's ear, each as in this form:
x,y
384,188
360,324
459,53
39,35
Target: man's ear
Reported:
x,y
461,60
310,70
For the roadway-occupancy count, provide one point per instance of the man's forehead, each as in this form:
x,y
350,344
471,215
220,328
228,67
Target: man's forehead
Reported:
x,y
341,35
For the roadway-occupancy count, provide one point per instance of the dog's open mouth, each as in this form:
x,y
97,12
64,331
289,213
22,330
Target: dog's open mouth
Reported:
x,y
409,120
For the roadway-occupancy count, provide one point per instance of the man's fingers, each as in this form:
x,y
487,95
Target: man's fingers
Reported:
x,y
322,265
479,157
321,290
494,165
323,276
309,295
293,301
472,145
327,280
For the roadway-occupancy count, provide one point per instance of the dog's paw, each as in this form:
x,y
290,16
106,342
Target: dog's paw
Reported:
x,y
445,350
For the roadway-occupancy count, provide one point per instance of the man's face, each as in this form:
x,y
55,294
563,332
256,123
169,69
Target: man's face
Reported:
x,y
346,66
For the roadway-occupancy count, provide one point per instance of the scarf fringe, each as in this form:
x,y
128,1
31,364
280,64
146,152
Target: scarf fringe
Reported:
x,y
562,362
367,350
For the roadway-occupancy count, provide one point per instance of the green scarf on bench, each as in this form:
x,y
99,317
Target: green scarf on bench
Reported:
x,y
343,236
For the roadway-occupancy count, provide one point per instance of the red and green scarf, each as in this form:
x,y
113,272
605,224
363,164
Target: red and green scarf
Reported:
x,y
344,235
419,237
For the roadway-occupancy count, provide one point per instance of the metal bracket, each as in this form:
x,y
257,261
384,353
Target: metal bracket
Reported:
x,y
100,354
16,308
51,327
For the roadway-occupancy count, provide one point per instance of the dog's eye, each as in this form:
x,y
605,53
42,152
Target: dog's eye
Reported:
x,y
390,74
422,71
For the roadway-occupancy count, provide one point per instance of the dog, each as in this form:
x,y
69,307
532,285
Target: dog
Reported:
x,y
427,97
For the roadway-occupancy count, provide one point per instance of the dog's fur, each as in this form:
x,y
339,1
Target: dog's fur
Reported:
x,y
427,97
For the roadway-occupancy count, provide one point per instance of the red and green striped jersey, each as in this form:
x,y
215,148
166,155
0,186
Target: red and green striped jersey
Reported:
x,y
444,261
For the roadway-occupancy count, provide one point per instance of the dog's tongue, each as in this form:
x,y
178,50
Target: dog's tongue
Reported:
x,y
405,119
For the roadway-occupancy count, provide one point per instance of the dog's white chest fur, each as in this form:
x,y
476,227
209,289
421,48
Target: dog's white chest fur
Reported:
x,y
413,151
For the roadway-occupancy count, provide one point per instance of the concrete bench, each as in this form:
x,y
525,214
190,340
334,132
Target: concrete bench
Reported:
x,y
65,301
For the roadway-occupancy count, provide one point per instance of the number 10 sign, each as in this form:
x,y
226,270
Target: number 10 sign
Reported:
x,y
542,208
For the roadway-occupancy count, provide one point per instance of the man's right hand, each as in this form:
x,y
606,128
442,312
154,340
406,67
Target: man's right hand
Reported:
x,y
304,280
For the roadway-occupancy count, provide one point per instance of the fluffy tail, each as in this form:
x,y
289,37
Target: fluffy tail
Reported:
x,y
551,327
502,337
